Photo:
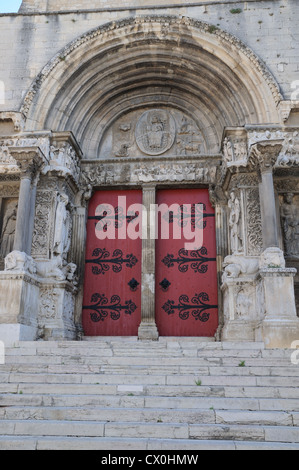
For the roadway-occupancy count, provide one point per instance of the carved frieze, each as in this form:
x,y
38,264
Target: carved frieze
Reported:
x,y
235,147
289,155
63,161
146,171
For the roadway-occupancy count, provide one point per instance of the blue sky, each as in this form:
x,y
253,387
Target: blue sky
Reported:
x,y
9,6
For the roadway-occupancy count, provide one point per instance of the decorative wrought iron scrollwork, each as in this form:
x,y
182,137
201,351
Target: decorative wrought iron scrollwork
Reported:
x,y
198,308
198,259
198,215
101,308
104,261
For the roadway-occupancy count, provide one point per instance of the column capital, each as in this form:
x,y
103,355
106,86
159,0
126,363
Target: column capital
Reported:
x,y
29,160
264,155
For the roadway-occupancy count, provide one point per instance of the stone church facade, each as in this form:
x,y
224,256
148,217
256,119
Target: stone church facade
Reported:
x,y
127,96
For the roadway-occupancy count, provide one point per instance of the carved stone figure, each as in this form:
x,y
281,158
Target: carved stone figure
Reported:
x,y
235,223
272,258
50,270
62,239
123,151
289,155
155,132
235,151
20,262
227,150
290,222
237,265
8,229
240,150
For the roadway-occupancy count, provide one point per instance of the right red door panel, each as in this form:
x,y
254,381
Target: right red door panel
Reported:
x,y
186,280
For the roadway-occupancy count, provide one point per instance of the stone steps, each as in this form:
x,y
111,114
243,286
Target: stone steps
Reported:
x,y
137,444
149,390
159,430
171,395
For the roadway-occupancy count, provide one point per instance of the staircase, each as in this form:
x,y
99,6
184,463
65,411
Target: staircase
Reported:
x,y
174,394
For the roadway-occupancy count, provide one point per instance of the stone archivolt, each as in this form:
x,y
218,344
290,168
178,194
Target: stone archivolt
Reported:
x,y
156,71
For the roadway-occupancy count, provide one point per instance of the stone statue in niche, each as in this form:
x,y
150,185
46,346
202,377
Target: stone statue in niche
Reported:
x,y
8,228
235,223
62,239
290,223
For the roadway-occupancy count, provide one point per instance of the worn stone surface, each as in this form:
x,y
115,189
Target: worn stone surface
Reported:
x,y
170,394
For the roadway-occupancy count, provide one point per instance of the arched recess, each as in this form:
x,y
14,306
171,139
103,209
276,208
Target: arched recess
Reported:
x,y
147,62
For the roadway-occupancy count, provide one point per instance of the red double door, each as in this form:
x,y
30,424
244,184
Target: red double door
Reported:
x,y
186,279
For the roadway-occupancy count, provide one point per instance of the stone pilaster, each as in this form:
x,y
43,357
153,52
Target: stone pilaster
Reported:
x,y
148,329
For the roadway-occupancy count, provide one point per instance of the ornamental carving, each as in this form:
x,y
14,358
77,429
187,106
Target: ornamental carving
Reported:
x,y
47,303
155,132
290,223
42,224
254,222
289,155
167,132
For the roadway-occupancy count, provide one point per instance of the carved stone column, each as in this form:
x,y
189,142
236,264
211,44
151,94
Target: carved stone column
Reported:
x,y
19,285
148,329
279,325
29,160
78,256
264,156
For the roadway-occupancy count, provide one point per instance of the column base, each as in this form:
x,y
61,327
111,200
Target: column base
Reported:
x,y
56,311
280,326
11,334
148,332
19,294
279,334
240,309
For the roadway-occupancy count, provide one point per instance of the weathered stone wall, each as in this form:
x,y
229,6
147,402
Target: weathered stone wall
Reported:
x,y
29,40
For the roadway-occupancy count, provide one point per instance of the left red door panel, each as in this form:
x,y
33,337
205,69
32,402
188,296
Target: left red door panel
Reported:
x,y
112,287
